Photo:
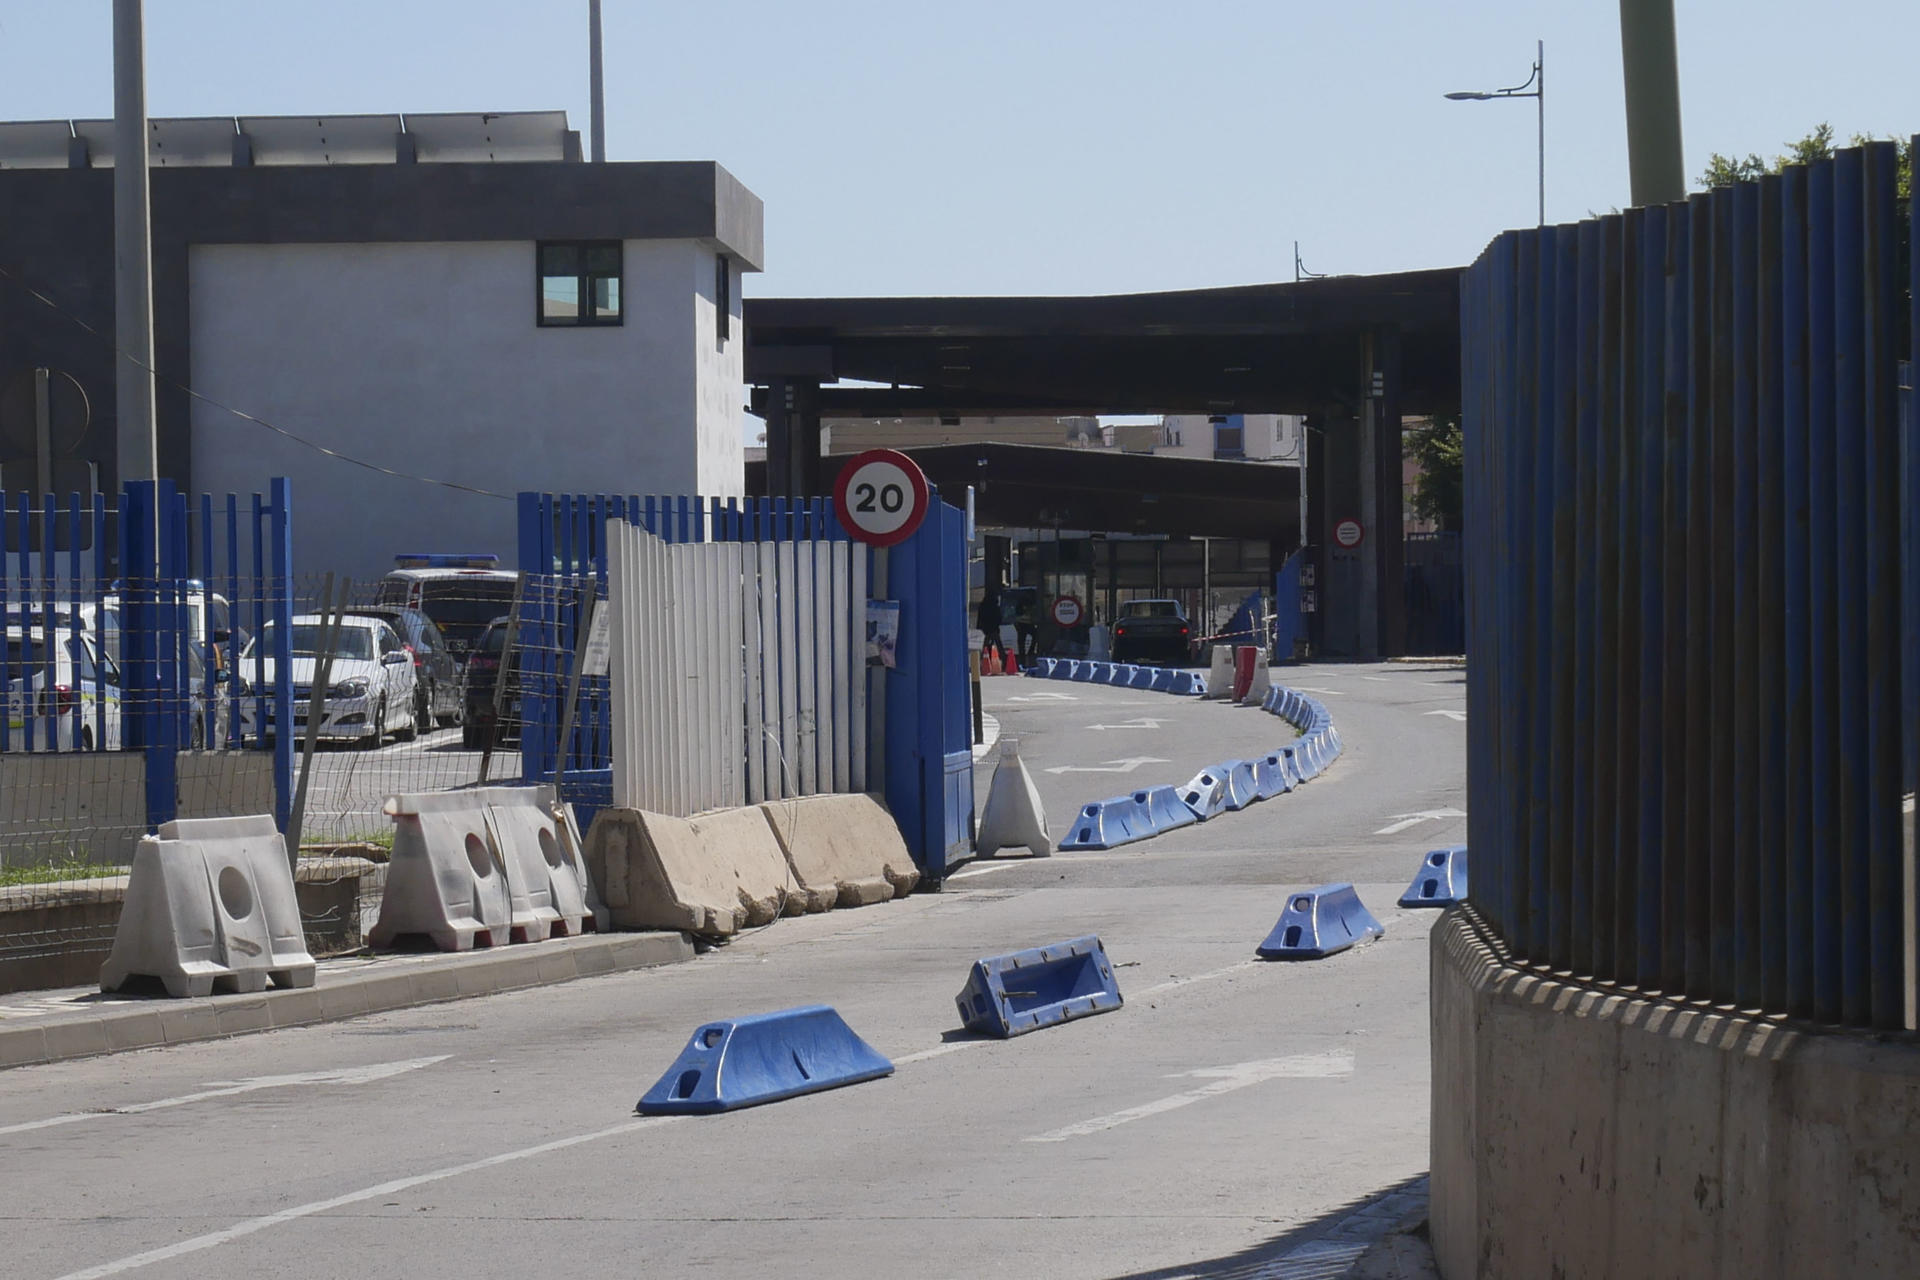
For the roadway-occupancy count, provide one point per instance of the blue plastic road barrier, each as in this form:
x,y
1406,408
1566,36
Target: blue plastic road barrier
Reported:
x,y
1272,776
1165,809
1206,795
1320,922
1142,677
1013,994
1062,669
743,1062
1106,823
1040,668
1271,703
1239,787
1441,880
1085,671
1123,674
1163,678
1295,758
1190,683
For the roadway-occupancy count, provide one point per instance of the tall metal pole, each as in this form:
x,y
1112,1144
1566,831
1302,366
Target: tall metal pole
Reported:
x,y
1540,96
133,266
1651,66
598,88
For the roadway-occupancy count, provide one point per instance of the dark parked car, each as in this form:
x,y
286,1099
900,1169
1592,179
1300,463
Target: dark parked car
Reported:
x,y
1152,631
477,685
436,676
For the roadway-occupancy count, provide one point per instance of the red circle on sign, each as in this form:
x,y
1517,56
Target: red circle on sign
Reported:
x,y
1348,533
1067,611
881,496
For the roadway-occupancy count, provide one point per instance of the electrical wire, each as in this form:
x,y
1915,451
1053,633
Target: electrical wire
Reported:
x,y
9,276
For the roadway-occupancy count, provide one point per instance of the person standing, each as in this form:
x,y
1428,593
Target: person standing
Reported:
x,y
987,619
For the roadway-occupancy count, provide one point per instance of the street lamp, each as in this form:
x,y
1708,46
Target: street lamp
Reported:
x,y
1535,87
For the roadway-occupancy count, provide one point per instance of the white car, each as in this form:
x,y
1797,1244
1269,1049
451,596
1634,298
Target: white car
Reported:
x,y
66,700
369,683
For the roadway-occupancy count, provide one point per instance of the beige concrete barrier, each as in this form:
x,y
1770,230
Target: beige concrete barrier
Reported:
x,y
847,844
210,907
1584,1132
714,875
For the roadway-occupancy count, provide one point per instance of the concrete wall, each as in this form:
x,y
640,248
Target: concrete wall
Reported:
x,y
425,358
92,806
1581,1133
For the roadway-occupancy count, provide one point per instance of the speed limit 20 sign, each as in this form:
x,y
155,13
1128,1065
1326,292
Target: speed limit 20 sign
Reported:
x,y
881,497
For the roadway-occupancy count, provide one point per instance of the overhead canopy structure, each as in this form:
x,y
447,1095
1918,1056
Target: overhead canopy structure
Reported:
x,y
1030,486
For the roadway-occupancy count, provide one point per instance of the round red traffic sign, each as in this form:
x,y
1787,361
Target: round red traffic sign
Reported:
x,y
1067,611
1348,533
881,497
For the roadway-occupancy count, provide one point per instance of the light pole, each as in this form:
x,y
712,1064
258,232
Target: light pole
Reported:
x,y
1538,92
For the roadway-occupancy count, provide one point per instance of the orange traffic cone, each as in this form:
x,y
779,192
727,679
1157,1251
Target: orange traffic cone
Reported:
x,y
1012,668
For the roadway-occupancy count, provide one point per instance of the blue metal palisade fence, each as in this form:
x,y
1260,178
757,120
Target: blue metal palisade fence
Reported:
x,y
925,768
1693,593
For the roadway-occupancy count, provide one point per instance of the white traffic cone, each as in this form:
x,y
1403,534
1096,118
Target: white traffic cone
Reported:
x,y
1013,817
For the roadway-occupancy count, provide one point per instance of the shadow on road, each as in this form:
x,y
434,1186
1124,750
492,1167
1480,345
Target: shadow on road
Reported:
x,y
1322,1249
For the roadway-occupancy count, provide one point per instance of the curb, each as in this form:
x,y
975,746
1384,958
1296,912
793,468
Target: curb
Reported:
x,y
342,990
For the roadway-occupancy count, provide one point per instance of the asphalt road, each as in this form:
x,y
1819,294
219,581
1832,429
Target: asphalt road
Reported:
x,y
1222,1123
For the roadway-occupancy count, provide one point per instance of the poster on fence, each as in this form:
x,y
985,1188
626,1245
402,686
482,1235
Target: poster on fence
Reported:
x,y
883,633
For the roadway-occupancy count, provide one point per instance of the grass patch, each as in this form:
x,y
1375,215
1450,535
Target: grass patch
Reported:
x,y
54,872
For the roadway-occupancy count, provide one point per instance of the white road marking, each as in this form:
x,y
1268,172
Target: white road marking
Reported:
x,y
1379,679
1307,688
1112,766
1305,1066
940,1050
251,1225
1142,722
1415,819
1044,697
1171,983
229,1088
982,870
1461,716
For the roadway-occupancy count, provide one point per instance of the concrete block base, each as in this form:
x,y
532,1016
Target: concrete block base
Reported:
x,y
1580,1132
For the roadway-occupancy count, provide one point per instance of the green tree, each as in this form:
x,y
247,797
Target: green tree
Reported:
x,y
1435,445
1817,145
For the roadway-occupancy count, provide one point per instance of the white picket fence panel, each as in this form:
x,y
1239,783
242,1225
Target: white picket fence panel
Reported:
x,y
737,671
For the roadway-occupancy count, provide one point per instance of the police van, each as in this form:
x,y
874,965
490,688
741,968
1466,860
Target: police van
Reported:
x,y
461,593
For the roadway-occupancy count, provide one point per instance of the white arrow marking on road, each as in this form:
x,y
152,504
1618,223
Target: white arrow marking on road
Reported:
x,y
1415,819
228,1088
1043,697
1143,722
1112,766
1304,1066
1451,715
1307,688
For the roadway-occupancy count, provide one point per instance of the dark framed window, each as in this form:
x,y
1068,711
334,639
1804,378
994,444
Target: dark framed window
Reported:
x,y
723,296
1229,440
578,282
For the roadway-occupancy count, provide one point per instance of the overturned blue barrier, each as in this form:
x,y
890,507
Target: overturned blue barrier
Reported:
x,y
1441,880
1239,787
1320,922
1206,794
766,1057
1024,991
1272,776
1040,668
1106,823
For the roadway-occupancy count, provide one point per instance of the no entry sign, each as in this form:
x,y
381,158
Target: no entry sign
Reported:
x,y
881,496
1348,533
1066,611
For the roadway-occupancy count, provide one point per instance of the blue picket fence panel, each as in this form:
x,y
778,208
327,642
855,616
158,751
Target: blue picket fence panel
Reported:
x,y
1693,592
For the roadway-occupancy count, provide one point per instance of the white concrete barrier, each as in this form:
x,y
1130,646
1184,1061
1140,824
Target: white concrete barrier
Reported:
x,y
848,844
484,866
1262,683
1013,816
210,907
1220,673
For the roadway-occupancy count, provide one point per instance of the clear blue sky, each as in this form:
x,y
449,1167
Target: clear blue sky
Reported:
x,y
1037,146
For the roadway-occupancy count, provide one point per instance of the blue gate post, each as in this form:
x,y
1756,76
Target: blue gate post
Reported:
x,y
144,675
280,605
1286,608
929,751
